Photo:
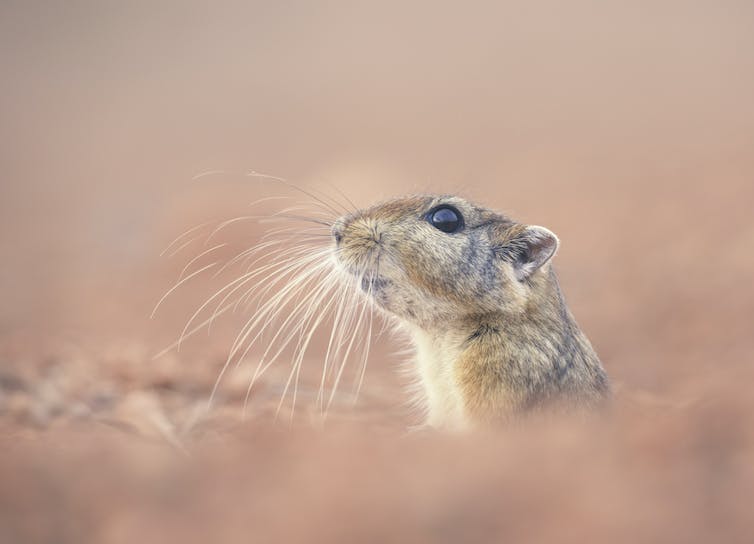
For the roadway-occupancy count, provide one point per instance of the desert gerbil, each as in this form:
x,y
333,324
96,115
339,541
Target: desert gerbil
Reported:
x,y
493,335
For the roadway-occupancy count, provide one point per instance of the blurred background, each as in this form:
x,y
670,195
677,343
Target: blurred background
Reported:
x,y
625,127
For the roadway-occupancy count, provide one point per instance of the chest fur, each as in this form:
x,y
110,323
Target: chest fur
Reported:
x,y
436,361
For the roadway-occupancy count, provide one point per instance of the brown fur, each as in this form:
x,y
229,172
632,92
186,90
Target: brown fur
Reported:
x,y
494,337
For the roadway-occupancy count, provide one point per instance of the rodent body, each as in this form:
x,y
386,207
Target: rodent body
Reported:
x,y
493,336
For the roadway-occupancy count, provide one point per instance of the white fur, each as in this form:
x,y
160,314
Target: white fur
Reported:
x,y
435,359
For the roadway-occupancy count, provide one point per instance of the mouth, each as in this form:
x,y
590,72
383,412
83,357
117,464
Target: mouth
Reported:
x,y
357,249
361,265
357,252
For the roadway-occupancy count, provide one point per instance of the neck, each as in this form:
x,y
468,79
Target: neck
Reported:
x,y
494,365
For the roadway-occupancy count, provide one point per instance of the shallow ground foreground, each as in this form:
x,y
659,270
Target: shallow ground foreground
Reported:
x,y
92,453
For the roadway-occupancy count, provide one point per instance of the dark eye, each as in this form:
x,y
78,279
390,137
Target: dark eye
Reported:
x,y
446,219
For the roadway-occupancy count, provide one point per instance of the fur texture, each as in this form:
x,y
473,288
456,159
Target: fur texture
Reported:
x,y
493,335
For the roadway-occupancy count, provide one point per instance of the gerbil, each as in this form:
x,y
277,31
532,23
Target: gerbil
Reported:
x,y
475,290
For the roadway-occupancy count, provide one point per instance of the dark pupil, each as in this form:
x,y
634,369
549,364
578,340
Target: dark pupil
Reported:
x,y
445,219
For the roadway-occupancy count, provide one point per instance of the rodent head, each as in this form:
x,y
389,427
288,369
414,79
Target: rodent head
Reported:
x,y
427,259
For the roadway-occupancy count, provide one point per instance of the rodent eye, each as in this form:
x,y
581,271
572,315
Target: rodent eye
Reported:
x,y
446,219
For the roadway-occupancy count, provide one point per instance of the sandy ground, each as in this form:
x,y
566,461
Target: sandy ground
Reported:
x,y
627,130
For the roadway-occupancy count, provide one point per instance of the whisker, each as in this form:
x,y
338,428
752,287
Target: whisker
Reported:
x,y
328,283
303,342
329,353
183,246
268,199
345,356
296,188
186,333
314,301
262,218
293,266
251,173
311,295
247,253
189,231
365,356
202,254
297,218
354,208
177,285
290,287
184,336
276,304
209,173
279,269
271,305
227,223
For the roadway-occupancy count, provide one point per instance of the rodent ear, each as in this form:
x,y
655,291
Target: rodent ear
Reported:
x,y
531,249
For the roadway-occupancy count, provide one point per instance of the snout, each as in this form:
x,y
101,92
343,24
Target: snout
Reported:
x,y
358,230
357,240
338,229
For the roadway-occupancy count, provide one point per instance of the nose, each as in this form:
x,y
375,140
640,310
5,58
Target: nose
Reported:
x,y
337,230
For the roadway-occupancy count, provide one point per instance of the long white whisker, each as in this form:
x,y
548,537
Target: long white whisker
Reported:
x,y
303,342
226,224
345,358
278,269
295,187
202,254
274,305
187,334
248,329
177,285
314,297
182,236
325,288
209,173
365,357
335,327
289,286
299,262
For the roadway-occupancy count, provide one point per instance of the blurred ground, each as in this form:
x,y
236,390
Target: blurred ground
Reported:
x,y
626,128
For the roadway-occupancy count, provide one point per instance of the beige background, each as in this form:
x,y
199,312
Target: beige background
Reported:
x,y
625,127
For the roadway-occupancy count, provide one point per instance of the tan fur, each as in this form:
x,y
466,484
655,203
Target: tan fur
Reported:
x,y
493,336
